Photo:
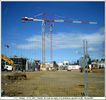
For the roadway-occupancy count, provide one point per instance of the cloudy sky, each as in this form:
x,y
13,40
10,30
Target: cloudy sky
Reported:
x,y
25,39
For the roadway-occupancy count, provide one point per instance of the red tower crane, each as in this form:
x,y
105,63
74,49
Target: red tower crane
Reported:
x,y
43,20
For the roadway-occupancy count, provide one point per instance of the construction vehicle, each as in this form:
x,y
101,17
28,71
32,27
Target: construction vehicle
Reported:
x,y
9,64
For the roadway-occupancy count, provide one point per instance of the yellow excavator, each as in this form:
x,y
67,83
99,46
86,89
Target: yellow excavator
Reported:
x,y
10,65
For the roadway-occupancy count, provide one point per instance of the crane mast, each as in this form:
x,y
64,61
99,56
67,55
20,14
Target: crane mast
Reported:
x,y
43,20
43,42
51,44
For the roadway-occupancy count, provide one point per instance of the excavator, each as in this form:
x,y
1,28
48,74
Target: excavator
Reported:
x,y
10,66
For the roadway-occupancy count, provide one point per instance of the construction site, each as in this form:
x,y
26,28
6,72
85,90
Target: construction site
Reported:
x,y
22,76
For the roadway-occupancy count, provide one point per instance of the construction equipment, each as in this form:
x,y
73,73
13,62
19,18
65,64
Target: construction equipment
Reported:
x,y
43,20
51,46
10,65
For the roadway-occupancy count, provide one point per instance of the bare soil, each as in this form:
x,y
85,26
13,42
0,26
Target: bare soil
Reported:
x,y
59,83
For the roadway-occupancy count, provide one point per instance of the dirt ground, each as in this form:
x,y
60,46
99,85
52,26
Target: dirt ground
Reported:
x,y
59,83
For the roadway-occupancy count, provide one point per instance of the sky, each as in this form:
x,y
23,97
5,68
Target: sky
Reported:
x,y
25,39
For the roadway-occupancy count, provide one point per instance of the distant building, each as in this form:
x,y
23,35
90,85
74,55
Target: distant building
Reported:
x,y
20,63
66,63
98,64
37,65
60,66
73,67
101,65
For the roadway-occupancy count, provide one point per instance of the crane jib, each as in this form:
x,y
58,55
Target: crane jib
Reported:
x,y
58,20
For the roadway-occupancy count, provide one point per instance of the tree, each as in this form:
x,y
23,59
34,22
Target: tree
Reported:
x,y
103,59
77,62
89,60
55,65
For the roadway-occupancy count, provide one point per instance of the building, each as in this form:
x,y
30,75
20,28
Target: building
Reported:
x,y
37,65
19,62
74,67
66,63
99,64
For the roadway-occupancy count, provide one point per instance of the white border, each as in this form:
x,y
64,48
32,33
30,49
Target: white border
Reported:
x,y
100,98
53,98
105,48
